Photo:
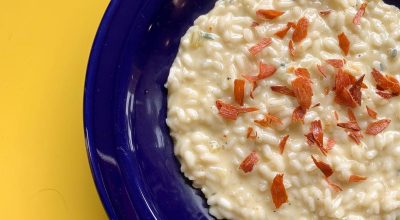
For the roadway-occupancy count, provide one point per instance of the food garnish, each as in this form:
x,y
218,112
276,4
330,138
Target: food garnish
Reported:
x,y
269,13
278,191
356,178
360,13
377,127
249,162
265,42
239,85
325,168
282,143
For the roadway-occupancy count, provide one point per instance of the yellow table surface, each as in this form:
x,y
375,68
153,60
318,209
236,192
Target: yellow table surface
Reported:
x,y
44,49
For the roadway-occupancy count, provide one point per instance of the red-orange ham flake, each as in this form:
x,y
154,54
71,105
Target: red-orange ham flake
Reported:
x,y
231,112
249,162
284,90
318,135
265,71
351,115
388,82
385,94
355,90
360,13
331,143
282,33
238,91
322,70
377,127
333,186
303,92
265,42
310,139
344,97
282,143
268,120
344,43
355,136
247,109
343,79
278,191
303,72
251,134
325,168
269,13
349,125
298,114
336,115
371,113
301,30
356,178
292,50
337,63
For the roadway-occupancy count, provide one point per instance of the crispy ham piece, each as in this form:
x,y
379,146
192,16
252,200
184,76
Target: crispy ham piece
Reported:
x,y
333,186
377,127
292,50
239,85
282,33
301,30
371,113
355,136
356,178
269,14
355,90
278,191
265,42
336,63
251,134
303,72
325,168
298,114
302,89
265,71
348,89
249,162
344,43
360,13
386,83
316,136
284,90
268,120
282,143
322,70
231,112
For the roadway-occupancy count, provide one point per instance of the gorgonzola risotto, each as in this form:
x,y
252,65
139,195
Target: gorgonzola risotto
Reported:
x,y
290,109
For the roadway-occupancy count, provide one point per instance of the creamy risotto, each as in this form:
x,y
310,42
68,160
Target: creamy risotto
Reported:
x,y
289,109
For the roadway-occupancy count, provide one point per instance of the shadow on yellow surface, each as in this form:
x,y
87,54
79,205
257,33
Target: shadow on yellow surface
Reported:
x,y
44,48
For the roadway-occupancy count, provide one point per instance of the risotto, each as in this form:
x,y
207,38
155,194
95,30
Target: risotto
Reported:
x,y
285,109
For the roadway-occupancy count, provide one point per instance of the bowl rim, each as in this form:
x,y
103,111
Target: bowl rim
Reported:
x,y
89,90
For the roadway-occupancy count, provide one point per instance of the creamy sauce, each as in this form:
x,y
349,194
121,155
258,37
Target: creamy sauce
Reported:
x,y
214,52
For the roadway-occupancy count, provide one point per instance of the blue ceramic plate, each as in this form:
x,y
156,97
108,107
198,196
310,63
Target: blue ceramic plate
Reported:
x,y
129,147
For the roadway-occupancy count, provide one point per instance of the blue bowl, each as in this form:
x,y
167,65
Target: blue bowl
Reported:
x,y
128,143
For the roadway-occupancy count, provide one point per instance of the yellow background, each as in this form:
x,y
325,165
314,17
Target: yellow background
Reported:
x,y
44,48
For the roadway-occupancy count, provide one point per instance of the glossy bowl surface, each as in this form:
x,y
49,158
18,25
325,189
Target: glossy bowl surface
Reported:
x,y
128,143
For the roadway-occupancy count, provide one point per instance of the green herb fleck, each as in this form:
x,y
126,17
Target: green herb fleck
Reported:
x,y
393,53
381,67
207,35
